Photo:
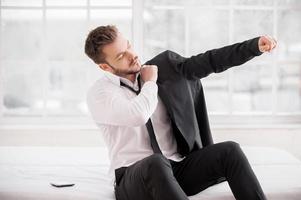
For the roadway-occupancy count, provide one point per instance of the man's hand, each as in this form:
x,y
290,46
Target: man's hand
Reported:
x,y
149,73
266,43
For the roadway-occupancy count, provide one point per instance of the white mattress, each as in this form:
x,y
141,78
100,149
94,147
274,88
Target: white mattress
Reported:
x,y
26,173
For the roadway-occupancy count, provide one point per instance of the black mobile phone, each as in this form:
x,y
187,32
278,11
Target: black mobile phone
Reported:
x,y
62,184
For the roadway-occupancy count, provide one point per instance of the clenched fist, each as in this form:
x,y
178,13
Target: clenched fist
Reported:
x,y
266,43
149,73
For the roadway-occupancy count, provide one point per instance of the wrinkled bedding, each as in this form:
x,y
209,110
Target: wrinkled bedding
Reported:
x,y
26,173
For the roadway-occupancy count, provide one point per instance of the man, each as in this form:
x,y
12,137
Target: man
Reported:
x,y
155,124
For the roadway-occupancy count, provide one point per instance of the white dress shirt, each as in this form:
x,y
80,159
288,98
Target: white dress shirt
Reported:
x,y
121,116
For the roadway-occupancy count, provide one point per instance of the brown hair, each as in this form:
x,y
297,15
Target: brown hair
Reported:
x,y
97,39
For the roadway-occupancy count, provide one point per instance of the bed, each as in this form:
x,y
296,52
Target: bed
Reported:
x,y
26,173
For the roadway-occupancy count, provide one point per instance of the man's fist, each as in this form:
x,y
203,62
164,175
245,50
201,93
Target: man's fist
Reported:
x,y
266,43
149,73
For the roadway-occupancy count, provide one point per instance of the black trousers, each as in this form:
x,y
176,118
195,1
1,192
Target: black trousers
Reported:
x,y
157,178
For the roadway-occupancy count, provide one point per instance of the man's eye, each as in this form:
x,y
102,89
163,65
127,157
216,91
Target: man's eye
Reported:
x,y
120,56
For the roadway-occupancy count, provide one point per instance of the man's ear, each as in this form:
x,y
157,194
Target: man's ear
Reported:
x,y
105,67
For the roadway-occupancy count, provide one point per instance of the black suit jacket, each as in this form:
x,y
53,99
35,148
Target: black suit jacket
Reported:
x,y
180,89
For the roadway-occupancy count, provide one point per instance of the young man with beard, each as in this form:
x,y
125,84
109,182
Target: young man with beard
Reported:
x,y
154,120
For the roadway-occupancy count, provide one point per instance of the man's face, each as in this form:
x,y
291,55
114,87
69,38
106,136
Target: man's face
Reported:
x,y
120,57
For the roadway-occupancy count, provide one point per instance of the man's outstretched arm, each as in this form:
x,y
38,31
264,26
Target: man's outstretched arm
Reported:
x,y
218,60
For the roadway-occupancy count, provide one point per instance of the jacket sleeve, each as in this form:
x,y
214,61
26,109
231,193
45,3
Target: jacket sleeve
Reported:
x,y
216,60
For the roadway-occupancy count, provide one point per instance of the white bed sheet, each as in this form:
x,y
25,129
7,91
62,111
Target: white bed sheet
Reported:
x,y
26,173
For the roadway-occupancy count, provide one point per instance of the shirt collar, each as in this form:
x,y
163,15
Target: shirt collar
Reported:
x,y
116,79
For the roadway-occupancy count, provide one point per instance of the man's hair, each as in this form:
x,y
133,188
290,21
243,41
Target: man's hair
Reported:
x,y
97,39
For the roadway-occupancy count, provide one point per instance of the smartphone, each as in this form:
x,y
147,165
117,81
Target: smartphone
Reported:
x,y
62,184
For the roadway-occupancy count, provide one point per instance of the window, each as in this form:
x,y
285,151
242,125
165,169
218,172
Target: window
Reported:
x,y
269,85
44,71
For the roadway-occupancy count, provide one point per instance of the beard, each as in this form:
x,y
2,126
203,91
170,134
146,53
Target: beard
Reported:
x,y
134,68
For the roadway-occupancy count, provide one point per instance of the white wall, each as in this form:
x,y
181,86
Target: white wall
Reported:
x,y
284,138
288,139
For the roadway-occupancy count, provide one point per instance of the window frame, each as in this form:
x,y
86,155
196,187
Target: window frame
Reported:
x,y
218,120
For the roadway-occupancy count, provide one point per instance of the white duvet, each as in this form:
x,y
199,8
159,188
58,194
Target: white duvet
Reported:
x,y
26,173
